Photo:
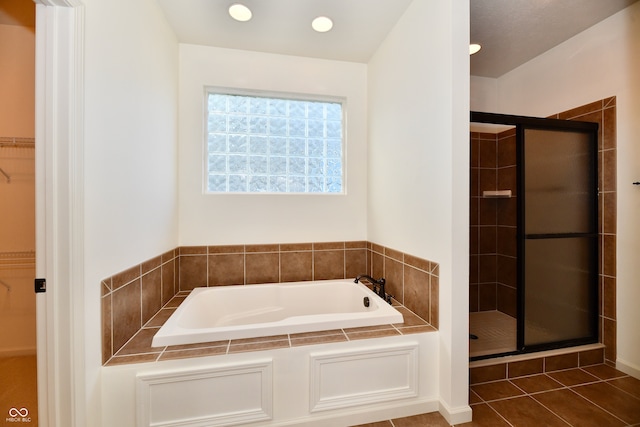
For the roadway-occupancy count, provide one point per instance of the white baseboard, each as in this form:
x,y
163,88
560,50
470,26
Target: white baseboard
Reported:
x,y
365,415
628,368
455,416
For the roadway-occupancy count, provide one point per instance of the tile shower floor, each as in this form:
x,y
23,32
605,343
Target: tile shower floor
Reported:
x,y
496,333
597,395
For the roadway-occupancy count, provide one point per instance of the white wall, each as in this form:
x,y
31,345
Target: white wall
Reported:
x,y
600,62
130,166
418,163
260,218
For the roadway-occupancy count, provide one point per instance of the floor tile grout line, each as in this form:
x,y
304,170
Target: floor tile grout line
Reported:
x,y
621,389
598,406
550,410
499,414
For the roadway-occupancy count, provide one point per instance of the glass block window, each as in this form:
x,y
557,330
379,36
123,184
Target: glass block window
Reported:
x,y
259,144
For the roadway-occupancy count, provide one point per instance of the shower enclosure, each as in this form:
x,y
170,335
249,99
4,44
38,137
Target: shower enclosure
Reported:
x,y
534,234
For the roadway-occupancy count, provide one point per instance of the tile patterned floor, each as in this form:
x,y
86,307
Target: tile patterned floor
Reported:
x,y
598,396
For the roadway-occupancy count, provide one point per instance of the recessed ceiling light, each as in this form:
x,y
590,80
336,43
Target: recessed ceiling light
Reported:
x,y
240,12
322,24
474,48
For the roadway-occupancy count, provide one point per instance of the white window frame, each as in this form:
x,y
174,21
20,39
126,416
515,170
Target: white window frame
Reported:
x,y
283,96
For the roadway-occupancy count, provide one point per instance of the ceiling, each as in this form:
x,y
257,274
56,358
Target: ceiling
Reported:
x,y
511,31
284,26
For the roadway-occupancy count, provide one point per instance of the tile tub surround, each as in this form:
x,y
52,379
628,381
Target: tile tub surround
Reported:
x,y
131,298
139,350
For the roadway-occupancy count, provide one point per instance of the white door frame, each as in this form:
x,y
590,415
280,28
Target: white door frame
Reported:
x,y
59,212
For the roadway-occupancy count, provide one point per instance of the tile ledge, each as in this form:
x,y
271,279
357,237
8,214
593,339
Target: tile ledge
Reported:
x,y
535,355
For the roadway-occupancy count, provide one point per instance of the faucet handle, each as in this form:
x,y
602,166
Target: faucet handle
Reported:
x,y
387,297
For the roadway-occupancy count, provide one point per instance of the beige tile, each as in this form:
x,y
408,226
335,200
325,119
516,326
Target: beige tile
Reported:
x,y
160,317
328,264
408,330
226,269
394,254
296,247
416,292
262,248
262,268
140,343
106,319
323,246
434,301
410,318
393,271
415,262
355,262
192,250
296,266
192,271
151,264
379,333
318,339
195,346
197,352
130,359
169,287
151,297
225,249
258,346
356,244
126,313
120,279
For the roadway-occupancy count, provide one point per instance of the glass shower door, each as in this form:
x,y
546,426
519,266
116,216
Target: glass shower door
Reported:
x,y
558,236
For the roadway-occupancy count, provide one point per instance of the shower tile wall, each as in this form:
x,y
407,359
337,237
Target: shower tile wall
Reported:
x,y
603,112
492,281
132,297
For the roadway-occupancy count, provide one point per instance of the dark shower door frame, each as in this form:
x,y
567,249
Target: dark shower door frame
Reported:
x,y
522,125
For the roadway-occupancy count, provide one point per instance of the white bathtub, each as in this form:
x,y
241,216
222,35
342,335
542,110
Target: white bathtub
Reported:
x,y
234,312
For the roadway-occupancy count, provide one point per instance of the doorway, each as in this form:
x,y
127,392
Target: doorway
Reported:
x,y
534,234
18,364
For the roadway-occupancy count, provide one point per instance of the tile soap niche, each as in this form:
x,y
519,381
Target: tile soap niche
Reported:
x,y
496,194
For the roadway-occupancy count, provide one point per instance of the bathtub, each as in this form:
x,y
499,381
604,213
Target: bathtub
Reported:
x,y
248,311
